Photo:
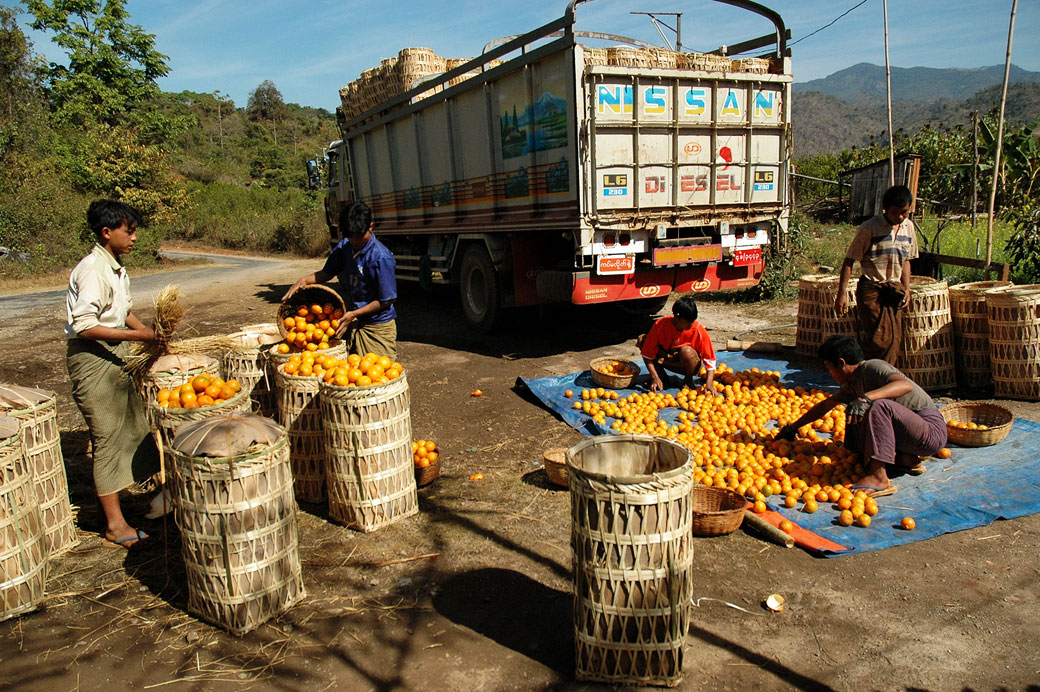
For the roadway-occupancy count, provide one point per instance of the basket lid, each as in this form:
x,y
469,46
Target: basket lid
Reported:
x,y
254,338
8,427
16,397
229,435
181,362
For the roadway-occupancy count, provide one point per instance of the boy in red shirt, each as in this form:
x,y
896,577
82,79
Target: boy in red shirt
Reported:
x,y
681,344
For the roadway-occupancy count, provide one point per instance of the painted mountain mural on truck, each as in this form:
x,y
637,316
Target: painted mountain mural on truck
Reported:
x,y
539,127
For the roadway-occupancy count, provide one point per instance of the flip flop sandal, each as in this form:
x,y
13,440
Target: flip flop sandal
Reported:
x,y
137,540
916,470
874,491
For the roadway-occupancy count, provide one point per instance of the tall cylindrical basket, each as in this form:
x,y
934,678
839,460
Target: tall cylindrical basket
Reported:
x,y
631,535
1014,341
37,412
248,363
233,503
300,412
927,353
971,331
368,435
23,541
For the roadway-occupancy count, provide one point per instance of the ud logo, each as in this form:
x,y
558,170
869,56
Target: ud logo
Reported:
x,y
692,148
701,286
763,176
649,291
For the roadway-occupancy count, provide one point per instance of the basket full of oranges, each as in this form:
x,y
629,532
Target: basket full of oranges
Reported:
x,y
200,397
615,373
976,423
427,461
309,318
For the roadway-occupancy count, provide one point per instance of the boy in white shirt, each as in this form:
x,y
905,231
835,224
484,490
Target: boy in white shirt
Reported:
x,y
99,326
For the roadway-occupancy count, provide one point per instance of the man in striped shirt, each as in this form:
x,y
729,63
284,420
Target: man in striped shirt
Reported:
x,y
883,246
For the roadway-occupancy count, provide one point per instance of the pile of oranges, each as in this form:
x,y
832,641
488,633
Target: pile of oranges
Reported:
x,y
424,453
733,445
966,426
352,371
200,390
618,367
311,328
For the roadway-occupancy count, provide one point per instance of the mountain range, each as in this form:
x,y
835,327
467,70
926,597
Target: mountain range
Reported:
x,y
847,108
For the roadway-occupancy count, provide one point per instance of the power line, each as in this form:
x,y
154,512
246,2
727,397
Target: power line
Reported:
x,y
864,2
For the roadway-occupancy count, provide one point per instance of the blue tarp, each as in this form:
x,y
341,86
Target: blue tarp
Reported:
x,y
972,488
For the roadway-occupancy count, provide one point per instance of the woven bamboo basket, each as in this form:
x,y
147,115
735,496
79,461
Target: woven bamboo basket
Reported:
x,y
623,56
705,62
300,412
169,372
971,331
233,503
664,58
556,466
753,65
169,420
816,293
424,475
632,544
305,297
23,541
604,379
248,363
1014,341
594,56
368,435
716,511
37,413
997,420
927,353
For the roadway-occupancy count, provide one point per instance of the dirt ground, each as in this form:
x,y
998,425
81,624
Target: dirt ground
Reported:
x,y
474,593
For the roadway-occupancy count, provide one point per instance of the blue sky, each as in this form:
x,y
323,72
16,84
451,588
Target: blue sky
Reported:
x,y
310,48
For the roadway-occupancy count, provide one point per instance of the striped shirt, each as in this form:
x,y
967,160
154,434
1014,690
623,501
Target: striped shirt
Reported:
x,y
99,293
881,248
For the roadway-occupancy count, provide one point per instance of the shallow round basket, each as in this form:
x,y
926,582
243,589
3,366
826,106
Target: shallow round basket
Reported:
x,y
716,511
556,465
997,419
428,474
612,381
307,296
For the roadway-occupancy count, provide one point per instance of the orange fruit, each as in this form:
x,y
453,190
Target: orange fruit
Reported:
x,y
787,526
316,309
863,520
364,381
302,311
907,524
283,348
477,392
846,518
759,507
432,456
476,477
810,506
943,453
227,392
206,400
188,397
163,395
569,393
384,362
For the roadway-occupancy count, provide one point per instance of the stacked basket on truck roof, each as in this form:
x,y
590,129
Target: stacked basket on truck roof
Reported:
x,y
571,173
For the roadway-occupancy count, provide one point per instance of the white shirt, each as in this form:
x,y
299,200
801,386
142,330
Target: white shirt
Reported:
x,y
99,293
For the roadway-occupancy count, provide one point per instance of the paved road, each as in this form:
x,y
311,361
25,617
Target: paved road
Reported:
x,y
222,268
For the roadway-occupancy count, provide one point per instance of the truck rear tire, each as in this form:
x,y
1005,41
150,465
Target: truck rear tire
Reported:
x,y
479,289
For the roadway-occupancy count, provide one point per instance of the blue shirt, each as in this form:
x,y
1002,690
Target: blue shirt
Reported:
x,y
367,274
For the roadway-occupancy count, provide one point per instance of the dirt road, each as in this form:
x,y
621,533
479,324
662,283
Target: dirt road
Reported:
x,y
491,609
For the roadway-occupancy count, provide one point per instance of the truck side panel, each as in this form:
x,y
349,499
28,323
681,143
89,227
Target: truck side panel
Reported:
x,y
498,156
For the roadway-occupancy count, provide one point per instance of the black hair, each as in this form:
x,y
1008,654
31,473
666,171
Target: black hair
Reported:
x,y
840,347
685,308
111,214
897,196
354,219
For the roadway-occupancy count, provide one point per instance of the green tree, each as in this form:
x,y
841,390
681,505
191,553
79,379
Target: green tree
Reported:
x,y
21,105
267,105
112,64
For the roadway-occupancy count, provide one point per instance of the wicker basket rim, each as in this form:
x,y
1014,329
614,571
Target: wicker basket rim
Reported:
x,y
968,405
678,471
705,490
610,359
979,286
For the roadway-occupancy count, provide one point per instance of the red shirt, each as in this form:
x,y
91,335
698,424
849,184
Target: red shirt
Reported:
x,y
663,336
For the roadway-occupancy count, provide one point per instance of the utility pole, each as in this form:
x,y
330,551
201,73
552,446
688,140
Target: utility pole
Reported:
x,y
888,81
1000,140
974,168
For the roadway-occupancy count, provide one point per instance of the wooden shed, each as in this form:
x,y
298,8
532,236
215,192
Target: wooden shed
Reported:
x,y
869,183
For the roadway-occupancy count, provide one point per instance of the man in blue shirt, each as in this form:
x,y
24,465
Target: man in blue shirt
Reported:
x,y
365,267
